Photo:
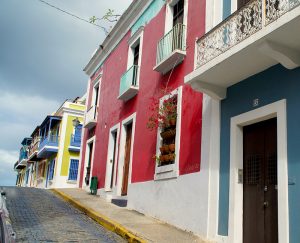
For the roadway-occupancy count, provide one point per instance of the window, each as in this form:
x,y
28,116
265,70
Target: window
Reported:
x,y
178,12
51,169
136,52
73,169
168,136
129,81
241,3
135,44
168,111
95,98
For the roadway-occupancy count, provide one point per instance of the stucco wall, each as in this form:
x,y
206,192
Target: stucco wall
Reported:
x,y
112,111
269,86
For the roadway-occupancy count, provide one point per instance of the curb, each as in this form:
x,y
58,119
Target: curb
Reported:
x,y
102,220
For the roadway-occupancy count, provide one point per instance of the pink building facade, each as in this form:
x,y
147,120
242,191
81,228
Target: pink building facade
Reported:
x,y
143,62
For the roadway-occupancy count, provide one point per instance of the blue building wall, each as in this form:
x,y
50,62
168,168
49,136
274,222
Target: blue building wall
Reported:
x,y
148,14
269,86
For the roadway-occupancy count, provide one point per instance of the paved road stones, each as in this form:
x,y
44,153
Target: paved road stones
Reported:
x,y
39,216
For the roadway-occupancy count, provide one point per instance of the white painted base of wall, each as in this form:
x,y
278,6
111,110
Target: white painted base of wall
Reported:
x,y
62,182
41,183
182,202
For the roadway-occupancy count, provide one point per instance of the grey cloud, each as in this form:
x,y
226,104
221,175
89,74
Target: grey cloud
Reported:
x,y
42,54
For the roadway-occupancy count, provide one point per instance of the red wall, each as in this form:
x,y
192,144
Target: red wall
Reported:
x,y
112,111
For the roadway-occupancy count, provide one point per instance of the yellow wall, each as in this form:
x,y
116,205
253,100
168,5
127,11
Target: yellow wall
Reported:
x,y
77,107
67,155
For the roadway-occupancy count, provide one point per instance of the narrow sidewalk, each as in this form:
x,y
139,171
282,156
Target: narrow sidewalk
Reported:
x,y
131,225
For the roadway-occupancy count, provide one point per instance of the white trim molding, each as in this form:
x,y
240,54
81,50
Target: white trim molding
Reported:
x,y
130,16
214,14
110,154
235,224
172,170
87,153
169,14
136,39
130,119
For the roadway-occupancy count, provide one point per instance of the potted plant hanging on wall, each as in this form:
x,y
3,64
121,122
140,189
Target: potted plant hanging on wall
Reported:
x,y
164,116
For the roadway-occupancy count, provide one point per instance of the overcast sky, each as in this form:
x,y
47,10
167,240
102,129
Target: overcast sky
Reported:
x,y
42,54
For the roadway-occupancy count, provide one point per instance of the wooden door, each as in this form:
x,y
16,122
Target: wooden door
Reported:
x,y
126,159
260,217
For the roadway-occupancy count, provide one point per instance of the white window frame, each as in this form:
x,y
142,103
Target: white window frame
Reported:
x,y
235,223
125,122
172,170
132,43
214,14
73,181
233,6
169,15
96,84
108,174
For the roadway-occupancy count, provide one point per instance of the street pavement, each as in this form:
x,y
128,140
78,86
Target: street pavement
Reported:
x,y
37,215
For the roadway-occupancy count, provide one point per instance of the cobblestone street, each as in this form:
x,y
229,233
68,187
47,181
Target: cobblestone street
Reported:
x,y
39,216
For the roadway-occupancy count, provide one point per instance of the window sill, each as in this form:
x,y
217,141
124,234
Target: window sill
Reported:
x,y
166,172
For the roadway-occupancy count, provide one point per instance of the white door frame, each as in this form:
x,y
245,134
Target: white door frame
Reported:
x,y
110,155
125,122
86,161
235,224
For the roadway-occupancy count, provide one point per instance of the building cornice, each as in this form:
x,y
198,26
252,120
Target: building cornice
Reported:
x,y
128,18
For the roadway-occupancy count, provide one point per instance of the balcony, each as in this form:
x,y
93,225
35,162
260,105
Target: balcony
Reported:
x,y
91,117
261,34
171,49
17,166
75,143
48,146
33,149
128,84
23,156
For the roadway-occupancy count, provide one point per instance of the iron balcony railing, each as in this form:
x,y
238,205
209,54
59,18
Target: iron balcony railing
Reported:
x,y
50,140
129,79
173,40
75,140
240,25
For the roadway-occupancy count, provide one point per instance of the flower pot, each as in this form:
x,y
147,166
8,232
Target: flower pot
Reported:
x,y
166,148
166,157
162,149
161,158
172,122
168,134
172,147
172,157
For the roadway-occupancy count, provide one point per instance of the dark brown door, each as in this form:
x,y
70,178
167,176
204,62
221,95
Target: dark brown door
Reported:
x,y
127,159
260,218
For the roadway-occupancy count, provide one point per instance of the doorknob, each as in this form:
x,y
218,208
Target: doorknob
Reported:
x,y
266,204
111,161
